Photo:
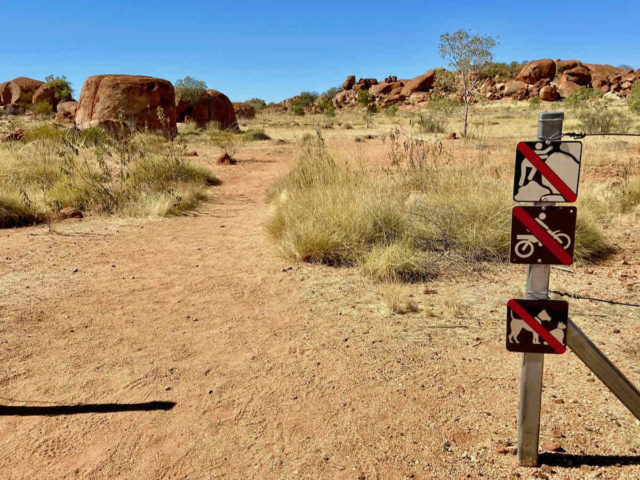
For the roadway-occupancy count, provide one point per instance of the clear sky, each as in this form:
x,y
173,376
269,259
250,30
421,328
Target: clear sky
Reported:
x,y
273,50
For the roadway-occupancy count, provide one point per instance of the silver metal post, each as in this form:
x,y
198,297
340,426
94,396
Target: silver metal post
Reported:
x,y
602,367
537,287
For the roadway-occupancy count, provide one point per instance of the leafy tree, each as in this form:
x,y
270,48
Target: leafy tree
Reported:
x,y
332,92
257,103
189,89
60,85
467,55
307,98
364,99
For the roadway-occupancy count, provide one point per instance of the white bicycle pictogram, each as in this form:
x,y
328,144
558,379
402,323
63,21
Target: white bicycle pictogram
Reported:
x,y
526,243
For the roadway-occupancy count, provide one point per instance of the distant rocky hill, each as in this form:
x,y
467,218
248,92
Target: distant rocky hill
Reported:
x,y
547,79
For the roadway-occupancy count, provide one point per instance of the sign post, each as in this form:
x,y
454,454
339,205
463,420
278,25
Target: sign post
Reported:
x,y
537,287
548,171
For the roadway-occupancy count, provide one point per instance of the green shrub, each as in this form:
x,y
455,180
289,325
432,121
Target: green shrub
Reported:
x,y
297,108
42,107
633,100
444,105
582,97
391,111
534,103
600,117
332,92
445,81
363,97
257,103
307,98
326,105
60,85
189,90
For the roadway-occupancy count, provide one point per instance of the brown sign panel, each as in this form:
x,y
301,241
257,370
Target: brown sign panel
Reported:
x,y
543,235
537,326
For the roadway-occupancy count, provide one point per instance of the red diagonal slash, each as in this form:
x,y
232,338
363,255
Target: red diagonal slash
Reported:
x,y
564,190
539,329
541,234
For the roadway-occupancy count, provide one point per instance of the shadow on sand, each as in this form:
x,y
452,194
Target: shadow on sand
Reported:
x,y
28,411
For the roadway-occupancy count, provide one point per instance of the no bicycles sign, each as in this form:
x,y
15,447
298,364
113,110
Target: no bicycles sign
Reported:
x,y
543,235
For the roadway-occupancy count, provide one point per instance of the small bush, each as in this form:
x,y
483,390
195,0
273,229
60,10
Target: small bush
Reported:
x,y
257,103
297,109
399,261
227,140
444,105
363,97
60,85
326,105
41,108
15,212
255,134
189,90
332,92
633,100
306,99
445,81
430,122
534,103
582,97
600,117
391,111
47,131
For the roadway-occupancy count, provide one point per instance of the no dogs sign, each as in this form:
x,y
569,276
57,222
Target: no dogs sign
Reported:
x,y
547,172
543,235
537,326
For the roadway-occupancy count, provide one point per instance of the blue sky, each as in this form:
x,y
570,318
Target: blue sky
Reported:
x,y
273,50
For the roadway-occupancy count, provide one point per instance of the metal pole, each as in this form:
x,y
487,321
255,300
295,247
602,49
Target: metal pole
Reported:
x,y
537,287
602,367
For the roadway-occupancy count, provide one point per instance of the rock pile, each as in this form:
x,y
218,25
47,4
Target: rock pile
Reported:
x,y
547,79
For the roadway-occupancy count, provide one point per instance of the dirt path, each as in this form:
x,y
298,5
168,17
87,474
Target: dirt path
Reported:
x,y
275,372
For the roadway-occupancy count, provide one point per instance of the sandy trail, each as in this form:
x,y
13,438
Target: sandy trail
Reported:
x,y
275,372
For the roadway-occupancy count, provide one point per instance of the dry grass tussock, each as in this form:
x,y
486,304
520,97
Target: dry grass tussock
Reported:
x,y
426,212
141,174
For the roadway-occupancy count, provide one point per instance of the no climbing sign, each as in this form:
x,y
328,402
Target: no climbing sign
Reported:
x,y
547,172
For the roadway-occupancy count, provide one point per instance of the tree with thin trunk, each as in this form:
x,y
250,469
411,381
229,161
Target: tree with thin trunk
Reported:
x,y
467,55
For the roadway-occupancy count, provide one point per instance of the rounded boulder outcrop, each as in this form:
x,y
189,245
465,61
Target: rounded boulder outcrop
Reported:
x,y
534,72
580,75
19,91
213,106
548,93
421,83
106,100
66,111
349,82
516,89
244,110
